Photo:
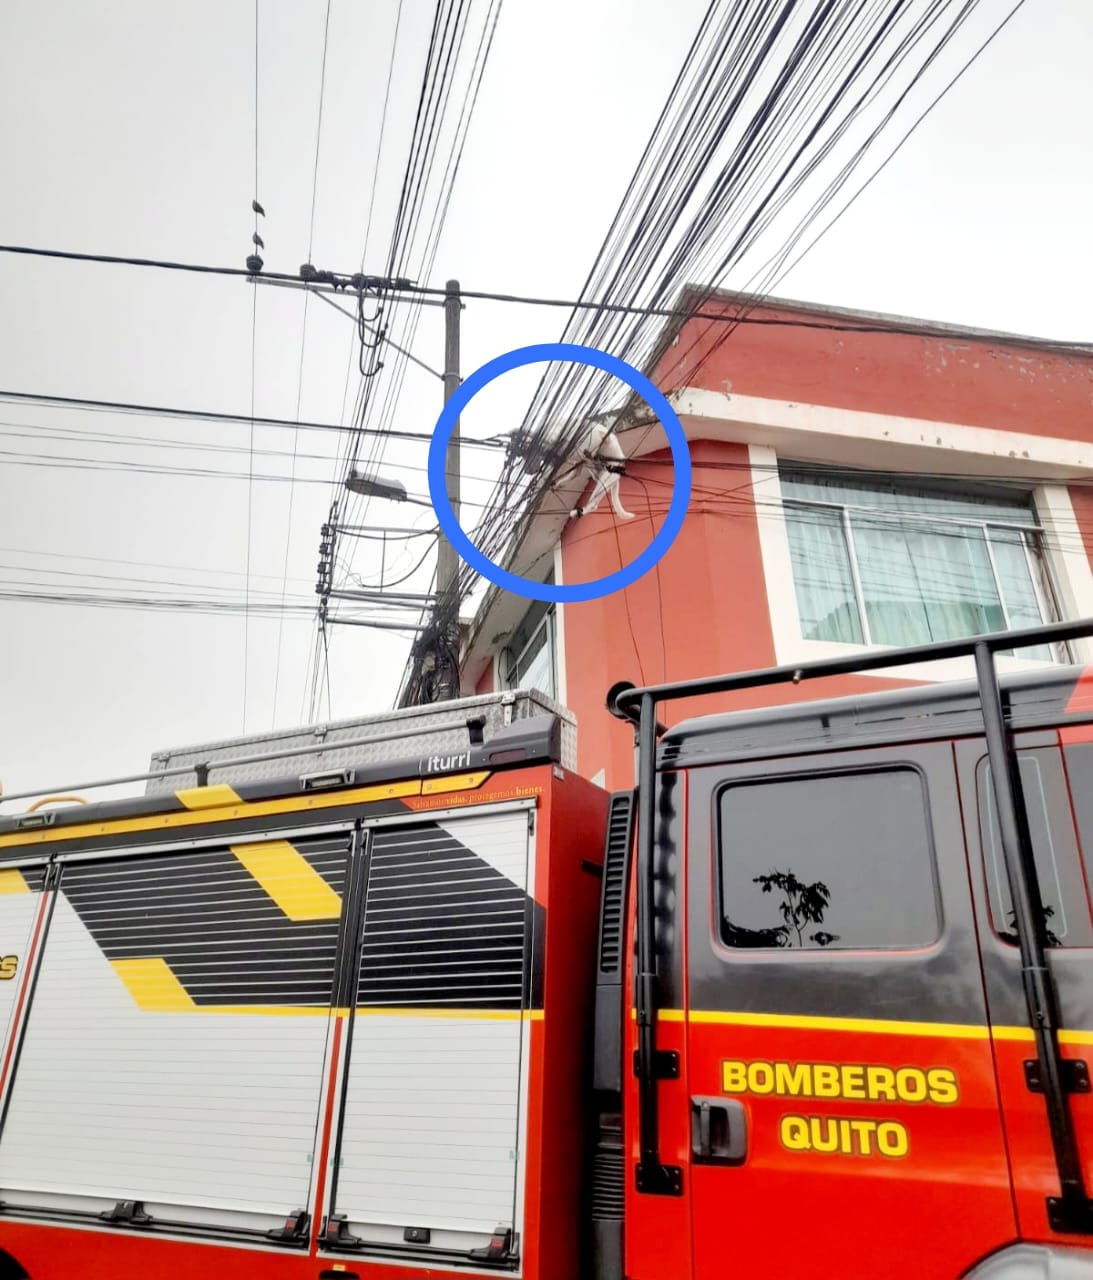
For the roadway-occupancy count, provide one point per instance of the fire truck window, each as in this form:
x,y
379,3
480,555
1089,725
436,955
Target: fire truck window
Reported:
x,y
832,862
1062,886
1079,768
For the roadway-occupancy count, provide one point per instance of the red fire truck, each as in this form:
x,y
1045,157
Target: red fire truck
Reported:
x,y
814,1001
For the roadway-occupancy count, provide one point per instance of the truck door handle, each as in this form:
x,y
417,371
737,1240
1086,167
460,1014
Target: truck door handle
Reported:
x,y
719,1131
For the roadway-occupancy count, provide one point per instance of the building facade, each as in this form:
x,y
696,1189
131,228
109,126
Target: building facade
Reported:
x,y
858,481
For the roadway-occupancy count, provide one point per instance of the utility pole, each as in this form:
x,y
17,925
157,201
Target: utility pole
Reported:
x,y
447,562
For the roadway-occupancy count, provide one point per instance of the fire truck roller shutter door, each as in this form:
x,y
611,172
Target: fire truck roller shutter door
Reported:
x,y
434,1104
175,1043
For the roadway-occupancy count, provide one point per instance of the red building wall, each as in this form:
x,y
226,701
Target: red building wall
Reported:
x,y
943,377
704,609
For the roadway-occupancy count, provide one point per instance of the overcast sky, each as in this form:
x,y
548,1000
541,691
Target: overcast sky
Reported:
x,y
128,128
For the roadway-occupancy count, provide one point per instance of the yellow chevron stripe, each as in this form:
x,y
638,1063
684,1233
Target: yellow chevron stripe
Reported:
x,y
152,984
213,797
290,880
12,881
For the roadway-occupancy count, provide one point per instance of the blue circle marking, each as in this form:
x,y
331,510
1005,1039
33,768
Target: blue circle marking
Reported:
x,y
557,593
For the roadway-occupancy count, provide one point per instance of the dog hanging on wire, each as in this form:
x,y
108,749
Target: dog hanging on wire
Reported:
x,y
603,460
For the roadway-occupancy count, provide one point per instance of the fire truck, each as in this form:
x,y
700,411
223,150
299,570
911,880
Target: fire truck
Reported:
x,y
408,997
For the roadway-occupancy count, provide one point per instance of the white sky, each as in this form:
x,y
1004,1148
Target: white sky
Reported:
x,y
128,128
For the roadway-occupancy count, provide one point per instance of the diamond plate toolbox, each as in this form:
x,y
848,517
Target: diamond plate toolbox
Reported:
x,y
439,728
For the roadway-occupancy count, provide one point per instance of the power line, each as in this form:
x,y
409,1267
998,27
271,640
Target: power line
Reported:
x,y
211,415
372,284
250,497
746,192
303,350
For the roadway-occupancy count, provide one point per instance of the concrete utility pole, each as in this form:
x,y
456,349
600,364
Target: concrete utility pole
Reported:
x,y
447,563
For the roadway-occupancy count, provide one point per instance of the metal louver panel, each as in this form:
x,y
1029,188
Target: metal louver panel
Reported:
x,y
608,1172
444,926
607,1027
245,925
612,901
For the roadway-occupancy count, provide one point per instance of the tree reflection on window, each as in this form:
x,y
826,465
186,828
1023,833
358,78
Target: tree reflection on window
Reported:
x,y
801,905
836,861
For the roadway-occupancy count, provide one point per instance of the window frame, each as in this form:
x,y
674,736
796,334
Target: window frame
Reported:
x,y
1067,866
1036,560
510,659
1036,563
1070,577
718,830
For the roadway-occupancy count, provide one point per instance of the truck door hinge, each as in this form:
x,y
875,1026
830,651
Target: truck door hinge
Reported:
x,y
665,1064
1075,1075
127,1213
1072,1214
501,1248
294,1230
336,1235
659,1179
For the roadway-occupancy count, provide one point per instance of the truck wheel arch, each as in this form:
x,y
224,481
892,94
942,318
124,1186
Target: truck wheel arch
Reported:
x,y
1034,1262
10,1269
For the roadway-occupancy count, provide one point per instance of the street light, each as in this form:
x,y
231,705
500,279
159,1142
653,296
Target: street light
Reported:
x,y
375,487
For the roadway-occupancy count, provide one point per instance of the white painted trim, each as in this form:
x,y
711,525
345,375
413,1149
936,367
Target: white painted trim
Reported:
x,y
1070,571
1068,561
766,488
561,685
828,433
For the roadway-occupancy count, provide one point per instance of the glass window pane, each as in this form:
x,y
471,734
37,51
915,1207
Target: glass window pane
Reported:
x,y
925,582
821,575
1079,771
535,667
1062,888
931,565
832,862
1018,589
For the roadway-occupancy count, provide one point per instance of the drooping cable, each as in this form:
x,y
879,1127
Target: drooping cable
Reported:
x,y
303,350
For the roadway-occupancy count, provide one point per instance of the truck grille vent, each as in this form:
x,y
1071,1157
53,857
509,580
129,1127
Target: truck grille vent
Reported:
x,y
612,903
608,1176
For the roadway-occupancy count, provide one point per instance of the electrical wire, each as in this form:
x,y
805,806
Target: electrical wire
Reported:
x,y
728,65
411,293
212,415
417,231
303,350
250,503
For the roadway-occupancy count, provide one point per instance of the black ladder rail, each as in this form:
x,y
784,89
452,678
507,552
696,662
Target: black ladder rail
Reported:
x,y
1073,1210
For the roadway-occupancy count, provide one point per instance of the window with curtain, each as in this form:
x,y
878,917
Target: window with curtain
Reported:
x,y
892,563
528,661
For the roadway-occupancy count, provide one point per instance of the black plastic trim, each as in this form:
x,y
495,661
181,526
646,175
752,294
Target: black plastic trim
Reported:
x,y
608,1017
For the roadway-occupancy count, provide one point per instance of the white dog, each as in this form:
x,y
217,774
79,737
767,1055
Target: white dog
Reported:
x,y
597,446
